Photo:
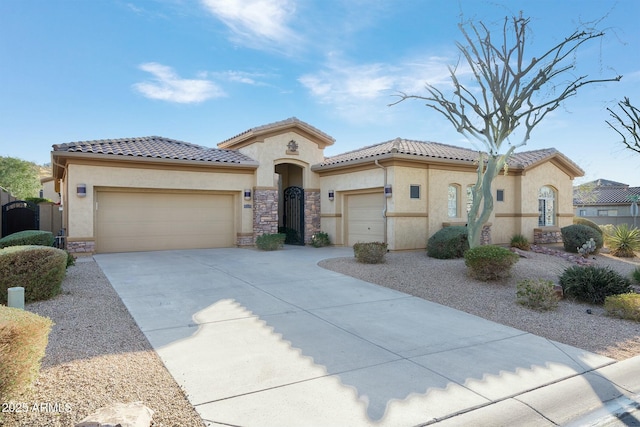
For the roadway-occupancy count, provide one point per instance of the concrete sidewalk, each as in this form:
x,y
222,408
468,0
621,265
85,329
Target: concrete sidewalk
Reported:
x,y
271,339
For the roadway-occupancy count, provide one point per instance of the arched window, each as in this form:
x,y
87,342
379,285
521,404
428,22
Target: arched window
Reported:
x,y
546,206
452,200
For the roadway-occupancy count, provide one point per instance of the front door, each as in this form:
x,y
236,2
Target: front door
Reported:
x,y
293,215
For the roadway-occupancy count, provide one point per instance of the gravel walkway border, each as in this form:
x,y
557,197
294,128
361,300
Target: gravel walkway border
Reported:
x,y
97,356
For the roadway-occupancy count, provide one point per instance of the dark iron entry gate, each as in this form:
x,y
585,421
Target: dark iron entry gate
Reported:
x,y
293,215
19,215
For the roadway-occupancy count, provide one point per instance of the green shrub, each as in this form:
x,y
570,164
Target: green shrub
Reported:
x,y
624,241
537,294
71,260
450,242
489,262
593,284
23,340
28,237
38,269
370,253
320,239
270,242
588,223
36,200
624,306
636,275
574,236
520,242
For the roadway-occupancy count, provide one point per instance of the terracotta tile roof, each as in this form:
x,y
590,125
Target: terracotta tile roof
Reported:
x,y
610,193
155,147
277,125
437,150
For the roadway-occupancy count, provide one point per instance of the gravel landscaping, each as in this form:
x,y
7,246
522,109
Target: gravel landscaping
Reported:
x,y
97,355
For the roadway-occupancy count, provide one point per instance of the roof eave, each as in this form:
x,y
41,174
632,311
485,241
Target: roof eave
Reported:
x,y
254,134
59,159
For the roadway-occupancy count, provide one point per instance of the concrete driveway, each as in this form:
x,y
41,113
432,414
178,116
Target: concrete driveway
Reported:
x,y
271,339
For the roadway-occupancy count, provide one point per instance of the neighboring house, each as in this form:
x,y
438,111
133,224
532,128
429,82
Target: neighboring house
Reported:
x,y
155,193
605,202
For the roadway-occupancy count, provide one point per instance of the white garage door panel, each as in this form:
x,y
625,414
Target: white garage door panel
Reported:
x,y
138,221
365,221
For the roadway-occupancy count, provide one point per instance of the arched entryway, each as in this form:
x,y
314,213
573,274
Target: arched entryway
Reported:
x,y
291,203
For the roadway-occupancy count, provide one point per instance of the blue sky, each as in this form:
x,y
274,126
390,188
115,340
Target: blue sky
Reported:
x,y
205,70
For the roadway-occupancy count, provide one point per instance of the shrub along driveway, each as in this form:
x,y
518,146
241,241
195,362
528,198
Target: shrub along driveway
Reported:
x,y
269,338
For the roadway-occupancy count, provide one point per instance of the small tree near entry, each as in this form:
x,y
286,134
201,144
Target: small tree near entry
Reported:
x,y
629,123
509,89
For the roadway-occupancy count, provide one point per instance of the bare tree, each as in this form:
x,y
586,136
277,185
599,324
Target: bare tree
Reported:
x,y
508,90
629,122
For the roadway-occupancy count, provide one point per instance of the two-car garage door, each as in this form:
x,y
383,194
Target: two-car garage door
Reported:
x,y
152,221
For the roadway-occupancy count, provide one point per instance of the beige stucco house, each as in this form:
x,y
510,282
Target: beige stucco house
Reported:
x,y
155,193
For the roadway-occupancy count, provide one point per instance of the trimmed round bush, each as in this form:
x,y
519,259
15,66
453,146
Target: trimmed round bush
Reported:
x,y
448,243
574,236
588,223
489,262
23,340
28,237
592,283
370,252
38,269
270,242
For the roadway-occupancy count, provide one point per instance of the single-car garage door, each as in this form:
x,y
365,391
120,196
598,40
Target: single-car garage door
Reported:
x,y
364,218
153,221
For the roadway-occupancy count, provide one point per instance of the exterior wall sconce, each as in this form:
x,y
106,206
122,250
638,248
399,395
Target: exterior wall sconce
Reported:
x,y
81,190
331,195
387,190
247,194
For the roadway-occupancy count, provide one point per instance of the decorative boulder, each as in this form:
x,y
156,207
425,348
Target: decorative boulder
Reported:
x,y
133,414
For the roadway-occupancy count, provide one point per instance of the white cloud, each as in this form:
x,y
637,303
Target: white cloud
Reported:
x,y
166,85
256,22
357,90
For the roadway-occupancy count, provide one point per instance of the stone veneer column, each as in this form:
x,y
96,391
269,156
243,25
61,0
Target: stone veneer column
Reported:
x,y
265,212
81,247
485,235
311,214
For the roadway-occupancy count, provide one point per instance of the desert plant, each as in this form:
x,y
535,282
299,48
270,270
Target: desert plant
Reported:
x,y
39,269
449,242
635,274
270,242
489,262
71,260
607,230
593,284
574,236
28,237
588,223
587,248
370,252
520,242
624,306
624,241
23,340
320,239
537,294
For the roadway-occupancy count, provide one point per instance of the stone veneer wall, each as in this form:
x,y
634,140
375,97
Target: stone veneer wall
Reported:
x,y
485,235
311,214
265,212
87,247
547,235
245,239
